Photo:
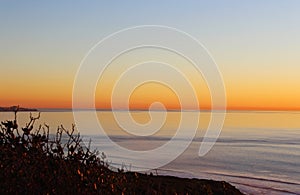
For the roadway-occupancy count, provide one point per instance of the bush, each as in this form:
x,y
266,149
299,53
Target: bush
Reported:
x,y
35,162
31,162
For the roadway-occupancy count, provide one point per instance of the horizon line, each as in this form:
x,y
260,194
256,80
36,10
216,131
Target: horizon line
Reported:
x,y
167,109
170,110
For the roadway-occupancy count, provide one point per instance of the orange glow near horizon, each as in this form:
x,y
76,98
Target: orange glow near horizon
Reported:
x,y
256,95
245,90
144,96
136,103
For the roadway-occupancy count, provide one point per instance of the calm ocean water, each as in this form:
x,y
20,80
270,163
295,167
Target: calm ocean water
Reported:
x,y
258,152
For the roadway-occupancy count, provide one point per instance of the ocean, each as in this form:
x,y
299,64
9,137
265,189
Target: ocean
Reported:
x,y
258,152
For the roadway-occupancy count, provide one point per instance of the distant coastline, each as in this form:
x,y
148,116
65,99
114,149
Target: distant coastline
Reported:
x,y
19,109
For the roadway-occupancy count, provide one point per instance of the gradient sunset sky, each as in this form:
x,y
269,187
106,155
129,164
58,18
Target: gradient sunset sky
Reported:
x,y
256,45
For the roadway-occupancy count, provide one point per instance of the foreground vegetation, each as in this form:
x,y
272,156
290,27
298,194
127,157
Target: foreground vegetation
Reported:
x,y
34,162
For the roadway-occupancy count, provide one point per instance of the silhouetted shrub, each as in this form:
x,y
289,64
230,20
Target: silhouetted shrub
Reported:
x,y
35,162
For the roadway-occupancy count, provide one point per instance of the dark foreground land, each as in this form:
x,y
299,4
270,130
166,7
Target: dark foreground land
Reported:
x,y
34,162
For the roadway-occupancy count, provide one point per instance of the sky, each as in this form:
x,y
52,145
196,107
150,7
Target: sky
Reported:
x,y
256,45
